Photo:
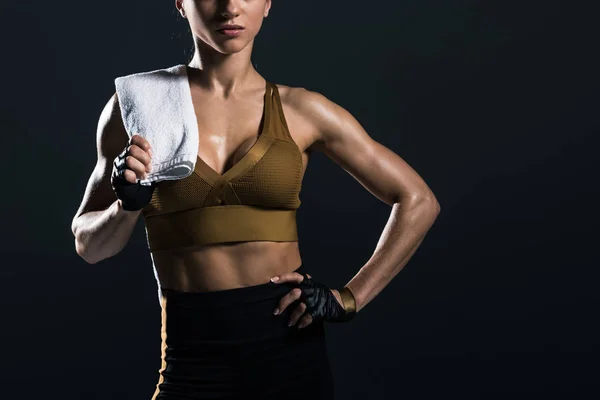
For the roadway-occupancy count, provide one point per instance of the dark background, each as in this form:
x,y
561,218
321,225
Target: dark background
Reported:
x,y
493,103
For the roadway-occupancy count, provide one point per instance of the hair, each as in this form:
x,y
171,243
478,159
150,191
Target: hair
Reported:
x,y
192,49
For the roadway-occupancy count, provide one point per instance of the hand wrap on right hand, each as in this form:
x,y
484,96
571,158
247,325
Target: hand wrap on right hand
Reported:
x,y
133,196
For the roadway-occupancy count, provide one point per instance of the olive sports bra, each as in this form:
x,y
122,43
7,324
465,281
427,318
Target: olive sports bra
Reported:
x,y
255,199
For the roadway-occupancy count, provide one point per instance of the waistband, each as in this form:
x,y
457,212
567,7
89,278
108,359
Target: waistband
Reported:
x,y
230,297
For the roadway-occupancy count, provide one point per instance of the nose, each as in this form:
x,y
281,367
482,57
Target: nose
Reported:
x,y
230,9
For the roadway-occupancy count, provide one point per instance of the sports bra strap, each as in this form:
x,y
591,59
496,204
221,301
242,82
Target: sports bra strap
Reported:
x,y
278,123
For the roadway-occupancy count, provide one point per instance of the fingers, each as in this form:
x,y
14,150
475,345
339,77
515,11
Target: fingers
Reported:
x,y
300,315
129,176
305,320
141,156
141,142
289,277
138,162
286,300
297,313
293,295
134,169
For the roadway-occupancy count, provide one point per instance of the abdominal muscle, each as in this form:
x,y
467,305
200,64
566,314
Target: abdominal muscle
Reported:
x,y
211,268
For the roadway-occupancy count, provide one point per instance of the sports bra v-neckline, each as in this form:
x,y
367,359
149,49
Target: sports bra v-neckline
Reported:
x,y
250,158
256,199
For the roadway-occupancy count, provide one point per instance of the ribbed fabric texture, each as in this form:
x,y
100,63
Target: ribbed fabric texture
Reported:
x,y
274,181
178,195
268,176
228,345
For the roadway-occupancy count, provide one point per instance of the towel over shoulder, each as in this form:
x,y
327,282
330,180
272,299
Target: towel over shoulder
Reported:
x,y
157,105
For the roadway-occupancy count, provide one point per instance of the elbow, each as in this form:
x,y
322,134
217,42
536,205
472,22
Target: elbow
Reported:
x,y
421,200
428,209
435,205
79,245
80,249
433,208
88,245
89,261
424,204
430,201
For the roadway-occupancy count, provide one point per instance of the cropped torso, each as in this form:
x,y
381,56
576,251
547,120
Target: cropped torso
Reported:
x,y
218,230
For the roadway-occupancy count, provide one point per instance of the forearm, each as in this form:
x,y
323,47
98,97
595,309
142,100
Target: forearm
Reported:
x,y
102,234
404,232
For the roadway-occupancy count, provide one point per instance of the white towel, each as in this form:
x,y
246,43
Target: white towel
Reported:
x,y
157,105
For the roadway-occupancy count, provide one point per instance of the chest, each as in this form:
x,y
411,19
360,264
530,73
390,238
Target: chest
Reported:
x,y
227,129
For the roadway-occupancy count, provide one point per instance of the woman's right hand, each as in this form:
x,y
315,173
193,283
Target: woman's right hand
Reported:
x,y
134,161
131,164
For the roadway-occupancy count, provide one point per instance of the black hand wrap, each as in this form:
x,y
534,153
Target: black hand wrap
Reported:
x,y
321,302
133,196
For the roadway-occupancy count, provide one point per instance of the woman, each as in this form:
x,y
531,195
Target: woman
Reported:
x,y
233,256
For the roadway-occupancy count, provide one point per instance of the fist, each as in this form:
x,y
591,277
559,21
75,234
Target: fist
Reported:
x,y
134,162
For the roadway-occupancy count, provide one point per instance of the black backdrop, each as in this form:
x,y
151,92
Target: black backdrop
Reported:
x,y
493,103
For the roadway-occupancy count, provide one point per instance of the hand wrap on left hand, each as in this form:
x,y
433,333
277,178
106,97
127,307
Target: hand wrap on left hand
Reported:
x,y
321,302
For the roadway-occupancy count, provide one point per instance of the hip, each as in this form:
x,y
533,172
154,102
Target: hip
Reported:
x,y
228,343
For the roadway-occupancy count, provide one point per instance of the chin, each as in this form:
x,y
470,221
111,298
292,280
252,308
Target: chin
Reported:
x,y
231,46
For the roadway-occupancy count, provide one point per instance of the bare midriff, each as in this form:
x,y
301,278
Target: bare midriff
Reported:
x,y
224,266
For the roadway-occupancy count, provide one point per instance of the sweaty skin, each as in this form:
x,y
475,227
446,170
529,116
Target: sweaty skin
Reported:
x,y
227,94
234,123
316,124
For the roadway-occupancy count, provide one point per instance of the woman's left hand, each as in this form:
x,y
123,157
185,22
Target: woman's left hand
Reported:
x,y
317,300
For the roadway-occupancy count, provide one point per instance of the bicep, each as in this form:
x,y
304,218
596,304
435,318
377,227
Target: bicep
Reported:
x,y
111,139
377,168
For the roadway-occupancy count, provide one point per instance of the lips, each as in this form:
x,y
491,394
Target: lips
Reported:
x,y
230,27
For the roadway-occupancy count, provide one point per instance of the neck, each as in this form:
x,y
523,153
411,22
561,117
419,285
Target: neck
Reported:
x,y
222,73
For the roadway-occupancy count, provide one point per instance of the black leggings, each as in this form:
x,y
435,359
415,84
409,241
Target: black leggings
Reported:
x,y
227,344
